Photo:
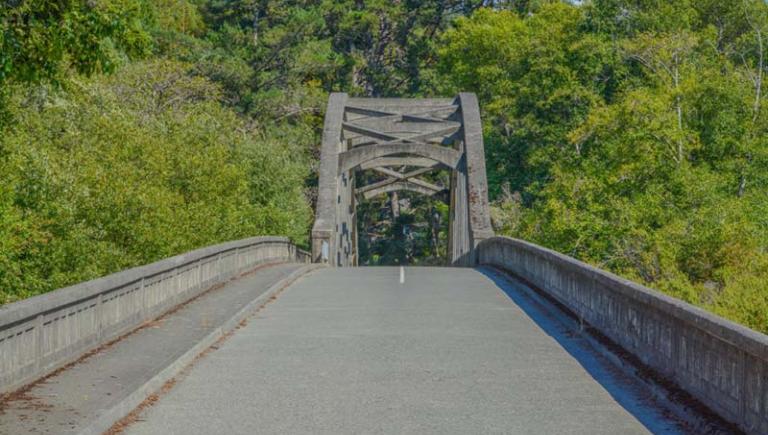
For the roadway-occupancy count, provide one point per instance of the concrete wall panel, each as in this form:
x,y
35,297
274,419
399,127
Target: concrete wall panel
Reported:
x,y
722,364
40,334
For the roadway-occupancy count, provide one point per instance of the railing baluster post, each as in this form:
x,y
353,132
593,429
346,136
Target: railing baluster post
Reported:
x,y
218,267
200,273
39,340
99,314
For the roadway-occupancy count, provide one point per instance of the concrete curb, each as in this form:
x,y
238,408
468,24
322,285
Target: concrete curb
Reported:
x,y
109,417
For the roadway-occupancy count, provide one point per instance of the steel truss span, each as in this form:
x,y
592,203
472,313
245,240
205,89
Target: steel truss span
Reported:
x,y
388,135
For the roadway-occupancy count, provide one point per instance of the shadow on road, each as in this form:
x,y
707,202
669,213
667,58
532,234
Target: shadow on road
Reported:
x,y
633,396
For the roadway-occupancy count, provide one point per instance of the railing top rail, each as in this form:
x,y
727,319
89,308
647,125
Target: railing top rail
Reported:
x,y
16,312
738,335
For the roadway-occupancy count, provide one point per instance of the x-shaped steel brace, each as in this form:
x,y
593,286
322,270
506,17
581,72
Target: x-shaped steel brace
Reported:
x,y
395,177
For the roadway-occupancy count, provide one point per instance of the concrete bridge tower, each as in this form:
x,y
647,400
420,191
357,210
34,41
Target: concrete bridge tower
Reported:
x,y
388,135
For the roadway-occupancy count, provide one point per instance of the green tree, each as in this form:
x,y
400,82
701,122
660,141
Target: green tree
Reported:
x,y
118,171
630,135
39,39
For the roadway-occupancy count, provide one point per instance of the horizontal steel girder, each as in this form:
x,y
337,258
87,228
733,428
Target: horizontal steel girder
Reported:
x,y
423,116
421,162
397,176
376,136
399,186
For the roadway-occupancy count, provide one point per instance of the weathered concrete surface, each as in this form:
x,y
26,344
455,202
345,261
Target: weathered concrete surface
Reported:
x,y
357,156
78,397
477,184
422,162
328,235
722,364
354,351
399,186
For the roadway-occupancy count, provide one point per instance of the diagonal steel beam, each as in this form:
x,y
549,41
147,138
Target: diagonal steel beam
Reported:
x,y
397,176
399,161
422,137
406,175
421,116
376,134
398,186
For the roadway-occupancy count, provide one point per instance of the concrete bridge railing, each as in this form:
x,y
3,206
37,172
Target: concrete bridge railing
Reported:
x,y
722,364
40,334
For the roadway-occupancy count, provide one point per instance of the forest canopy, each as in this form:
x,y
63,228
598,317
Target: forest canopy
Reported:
x,y
628,134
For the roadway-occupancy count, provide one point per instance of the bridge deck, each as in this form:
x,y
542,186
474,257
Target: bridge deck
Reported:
x,y
75,398
447,351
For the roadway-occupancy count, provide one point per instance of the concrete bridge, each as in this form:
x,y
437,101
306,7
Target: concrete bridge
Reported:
x,y
401,139
252,336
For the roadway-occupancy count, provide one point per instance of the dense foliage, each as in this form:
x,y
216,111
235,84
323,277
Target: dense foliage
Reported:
x,y
101,173
41,39
629,134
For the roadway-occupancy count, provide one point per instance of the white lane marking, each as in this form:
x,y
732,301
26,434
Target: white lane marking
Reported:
x,y
402,275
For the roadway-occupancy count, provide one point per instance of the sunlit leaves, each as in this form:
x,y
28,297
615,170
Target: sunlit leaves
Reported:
x,y
124,170
39,39
630,135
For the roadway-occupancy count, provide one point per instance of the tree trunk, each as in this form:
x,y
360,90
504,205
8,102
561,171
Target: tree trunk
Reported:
x,y
434,223
394,202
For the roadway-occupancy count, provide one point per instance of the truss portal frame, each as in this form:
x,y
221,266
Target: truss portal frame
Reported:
x,y
401,139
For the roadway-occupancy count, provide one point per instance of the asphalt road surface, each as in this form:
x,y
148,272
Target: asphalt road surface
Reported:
x,y
446,351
